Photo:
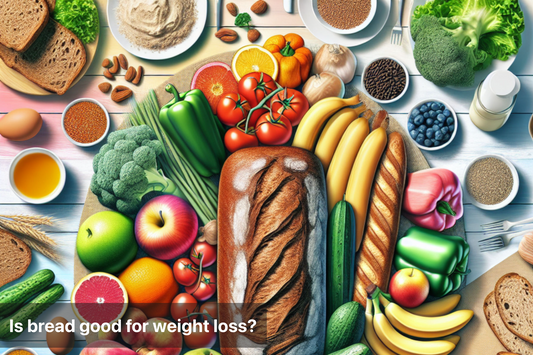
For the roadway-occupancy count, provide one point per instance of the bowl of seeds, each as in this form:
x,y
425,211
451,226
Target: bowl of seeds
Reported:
x,y
85,122
385,80
345,16
491,181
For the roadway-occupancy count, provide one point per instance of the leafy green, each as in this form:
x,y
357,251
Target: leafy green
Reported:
x,y
79,16
243,20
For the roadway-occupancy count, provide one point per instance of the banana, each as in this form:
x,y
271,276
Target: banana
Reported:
x,y
403,345
439,307
425,327
343,160
372,340
452,338
315,117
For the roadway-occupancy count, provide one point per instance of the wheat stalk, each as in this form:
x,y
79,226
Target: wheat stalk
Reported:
x,y
27,230
46,250
33,220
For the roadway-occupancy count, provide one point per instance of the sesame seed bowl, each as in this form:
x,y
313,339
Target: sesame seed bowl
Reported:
x,y
85,122
331,13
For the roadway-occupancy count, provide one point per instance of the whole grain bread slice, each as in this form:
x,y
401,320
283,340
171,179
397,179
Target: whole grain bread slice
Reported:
x,y
21,22
53,62
514,298
15,257
51,5
510,341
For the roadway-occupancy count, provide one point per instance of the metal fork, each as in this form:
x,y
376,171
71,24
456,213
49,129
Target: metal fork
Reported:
x,y
502,226
397,34
499,241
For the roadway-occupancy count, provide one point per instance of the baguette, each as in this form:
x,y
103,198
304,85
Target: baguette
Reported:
x,y
374,260
22,22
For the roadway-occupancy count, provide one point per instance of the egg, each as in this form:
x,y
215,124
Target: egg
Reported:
x,y
20,124
60,343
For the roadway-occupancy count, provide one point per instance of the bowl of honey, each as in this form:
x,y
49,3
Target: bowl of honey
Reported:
x,y
37,175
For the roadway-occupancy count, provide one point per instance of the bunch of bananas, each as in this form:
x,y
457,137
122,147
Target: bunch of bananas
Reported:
x,y
384,332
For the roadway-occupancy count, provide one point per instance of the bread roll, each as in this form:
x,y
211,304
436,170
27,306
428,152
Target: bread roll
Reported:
x,y
272,217
374,259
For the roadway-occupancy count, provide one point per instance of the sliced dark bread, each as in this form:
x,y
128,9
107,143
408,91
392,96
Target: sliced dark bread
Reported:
x,y
514,298
15,257
510,341
51,5
53,62
21,22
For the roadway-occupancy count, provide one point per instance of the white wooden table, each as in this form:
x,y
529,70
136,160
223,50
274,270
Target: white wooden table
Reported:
x,y
512,141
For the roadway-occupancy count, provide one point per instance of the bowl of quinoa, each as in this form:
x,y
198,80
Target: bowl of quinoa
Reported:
x,y
345,16
85,122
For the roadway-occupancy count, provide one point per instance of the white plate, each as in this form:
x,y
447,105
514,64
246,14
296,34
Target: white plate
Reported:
x,y
356,39
480,75
201,9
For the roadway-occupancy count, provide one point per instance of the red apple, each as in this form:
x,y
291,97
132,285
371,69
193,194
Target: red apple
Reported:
x,y
160,343
166,227
135,339
409,287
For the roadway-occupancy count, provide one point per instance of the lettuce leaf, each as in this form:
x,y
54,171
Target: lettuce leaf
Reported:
x,y
79,16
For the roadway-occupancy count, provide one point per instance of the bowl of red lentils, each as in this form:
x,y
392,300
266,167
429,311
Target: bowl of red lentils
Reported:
x,y
85,122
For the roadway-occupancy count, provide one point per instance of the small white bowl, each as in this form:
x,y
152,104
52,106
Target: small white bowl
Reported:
x,y
59,187
19,348
455,123
514,189
85,145
362,26
397,97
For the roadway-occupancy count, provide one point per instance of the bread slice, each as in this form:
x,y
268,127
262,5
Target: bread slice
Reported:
x,y
51,5
510,341
15,257
514,298
21,22
53,62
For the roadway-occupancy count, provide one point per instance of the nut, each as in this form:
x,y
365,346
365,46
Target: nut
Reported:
x,y
259,7
253,35
130,74
108,74
116,66
226,35
121,93
104,87
106,63
123,61
138,76
232,8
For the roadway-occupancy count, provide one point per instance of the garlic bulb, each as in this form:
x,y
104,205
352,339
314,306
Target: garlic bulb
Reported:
x,y
525,249
336,59
323,85
208,233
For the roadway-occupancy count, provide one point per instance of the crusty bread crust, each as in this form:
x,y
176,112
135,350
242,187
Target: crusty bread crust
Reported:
x,y
15,257
18,32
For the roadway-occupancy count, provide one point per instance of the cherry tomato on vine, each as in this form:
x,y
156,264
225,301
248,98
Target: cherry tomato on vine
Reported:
x,y
211,308
207,287
273,129
185,272
232,109
291,103
183,305
254,87
205,250
236,139
201,337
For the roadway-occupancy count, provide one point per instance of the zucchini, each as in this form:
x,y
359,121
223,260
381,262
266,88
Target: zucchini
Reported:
x,y
346,327
30,311
14,297
356,349
341,256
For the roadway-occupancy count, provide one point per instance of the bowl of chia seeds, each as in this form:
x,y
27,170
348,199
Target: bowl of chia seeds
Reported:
x,y
385,80
491,181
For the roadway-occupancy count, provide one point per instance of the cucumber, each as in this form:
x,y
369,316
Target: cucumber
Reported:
x,y
341,256
15,296
356,349
345,327
30,311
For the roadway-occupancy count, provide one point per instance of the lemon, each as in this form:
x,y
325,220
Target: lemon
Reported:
x,y
254,58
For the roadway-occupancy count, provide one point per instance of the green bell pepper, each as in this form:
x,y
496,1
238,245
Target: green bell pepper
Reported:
x,y
442,258
191,125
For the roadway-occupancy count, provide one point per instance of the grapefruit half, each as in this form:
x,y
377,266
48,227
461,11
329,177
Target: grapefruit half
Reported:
x,y
215,80
99,298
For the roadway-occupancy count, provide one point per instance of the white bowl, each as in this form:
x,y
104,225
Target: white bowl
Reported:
x,y
397,97
19,348
59,187
514,189
85,145
455,123
362,26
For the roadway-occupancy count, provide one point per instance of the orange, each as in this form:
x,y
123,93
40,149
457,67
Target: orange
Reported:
x,y
151,286
254,58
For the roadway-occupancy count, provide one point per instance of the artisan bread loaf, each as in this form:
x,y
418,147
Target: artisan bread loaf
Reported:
x,y
374,259
510,341
15,257
53,62
21,22
272,217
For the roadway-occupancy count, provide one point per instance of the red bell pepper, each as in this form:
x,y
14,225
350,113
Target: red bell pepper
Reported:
x,y
433,199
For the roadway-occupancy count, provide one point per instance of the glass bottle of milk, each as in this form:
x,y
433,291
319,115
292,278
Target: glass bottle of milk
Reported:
x,y
494,100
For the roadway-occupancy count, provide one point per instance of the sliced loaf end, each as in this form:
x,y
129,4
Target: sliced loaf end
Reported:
x,y
21,22
15,257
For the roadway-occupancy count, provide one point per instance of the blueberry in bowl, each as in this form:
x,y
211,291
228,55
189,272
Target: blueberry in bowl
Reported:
x,y
432,124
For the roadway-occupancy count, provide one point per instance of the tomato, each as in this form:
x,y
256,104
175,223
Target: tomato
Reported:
x,y
183,305
185,272
232,109
236,139
254,87
291,104
207,287
205,250
200,337
273,129
210,308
